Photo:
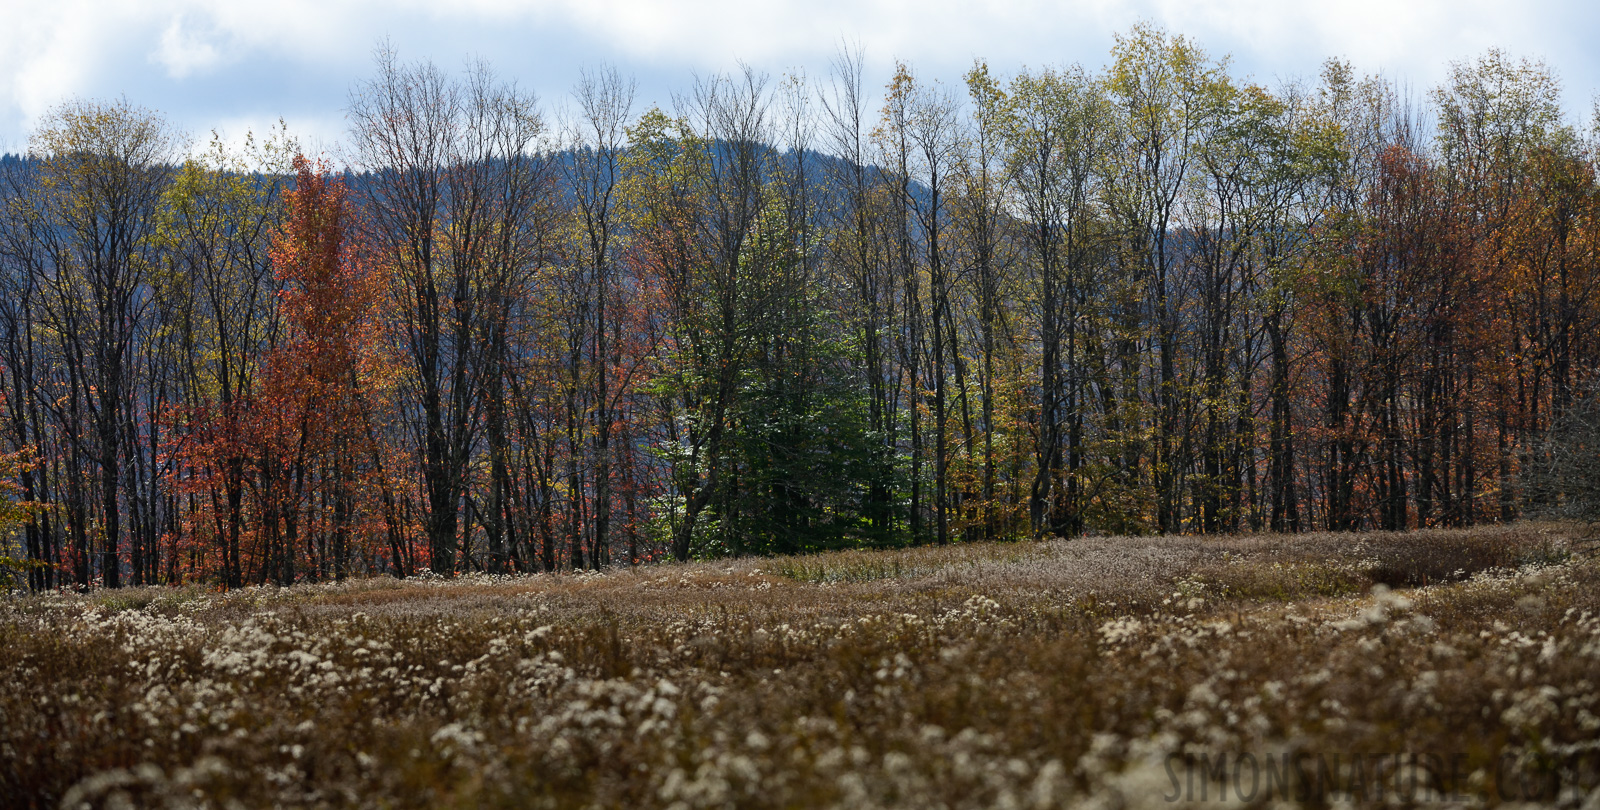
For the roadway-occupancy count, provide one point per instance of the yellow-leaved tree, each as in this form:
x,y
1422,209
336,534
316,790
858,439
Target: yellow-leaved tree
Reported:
x,y
13,513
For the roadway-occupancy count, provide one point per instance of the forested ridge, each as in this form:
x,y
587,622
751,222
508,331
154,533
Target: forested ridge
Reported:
x,y
777,318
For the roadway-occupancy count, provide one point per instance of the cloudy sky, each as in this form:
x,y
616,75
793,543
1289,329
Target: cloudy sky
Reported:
x,y
231,66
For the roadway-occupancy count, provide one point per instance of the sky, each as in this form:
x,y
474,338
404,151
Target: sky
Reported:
x,y
232,67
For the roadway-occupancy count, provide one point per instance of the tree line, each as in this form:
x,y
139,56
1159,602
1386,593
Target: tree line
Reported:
x,y
777,317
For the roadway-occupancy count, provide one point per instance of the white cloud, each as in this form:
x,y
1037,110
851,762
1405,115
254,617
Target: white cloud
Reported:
x,y
297,57
47,54
184,51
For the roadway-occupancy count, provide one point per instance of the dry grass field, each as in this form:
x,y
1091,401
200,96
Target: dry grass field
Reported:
x,y
1429,668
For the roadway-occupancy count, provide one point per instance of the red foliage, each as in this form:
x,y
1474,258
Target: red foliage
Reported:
x,y
305,445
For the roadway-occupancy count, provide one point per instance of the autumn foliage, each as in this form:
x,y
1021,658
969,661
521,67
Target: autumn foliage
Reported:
x,y
779,318
306,443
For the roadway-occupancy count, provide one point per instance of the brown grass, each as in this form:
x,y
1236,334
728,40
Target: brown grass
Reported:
x,y
1064,673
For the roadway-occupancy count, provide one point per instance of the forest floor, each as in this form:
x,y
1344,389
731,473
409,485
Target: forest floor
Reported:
x,y
1434,667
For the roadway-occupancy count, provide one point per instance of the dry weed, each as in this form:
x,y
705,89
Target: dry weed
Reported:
x,y
1113,672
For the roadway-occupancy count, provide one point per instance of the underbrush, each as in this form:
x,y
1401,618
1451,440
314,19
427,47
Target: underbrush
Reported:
x,y
1099,672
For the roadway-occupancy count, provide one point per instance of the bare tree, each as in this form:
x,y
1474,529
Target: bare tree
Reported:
x,y
1562,476
451,199
605,103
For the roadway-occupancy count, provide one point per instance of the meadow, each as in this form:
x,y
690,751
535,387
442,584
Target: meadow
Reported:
x,y
1434,668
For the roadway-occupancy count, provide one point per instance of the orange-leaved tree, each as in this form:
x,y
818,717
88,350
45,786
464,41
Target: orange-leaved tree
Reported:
x,y
313,423
309,432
